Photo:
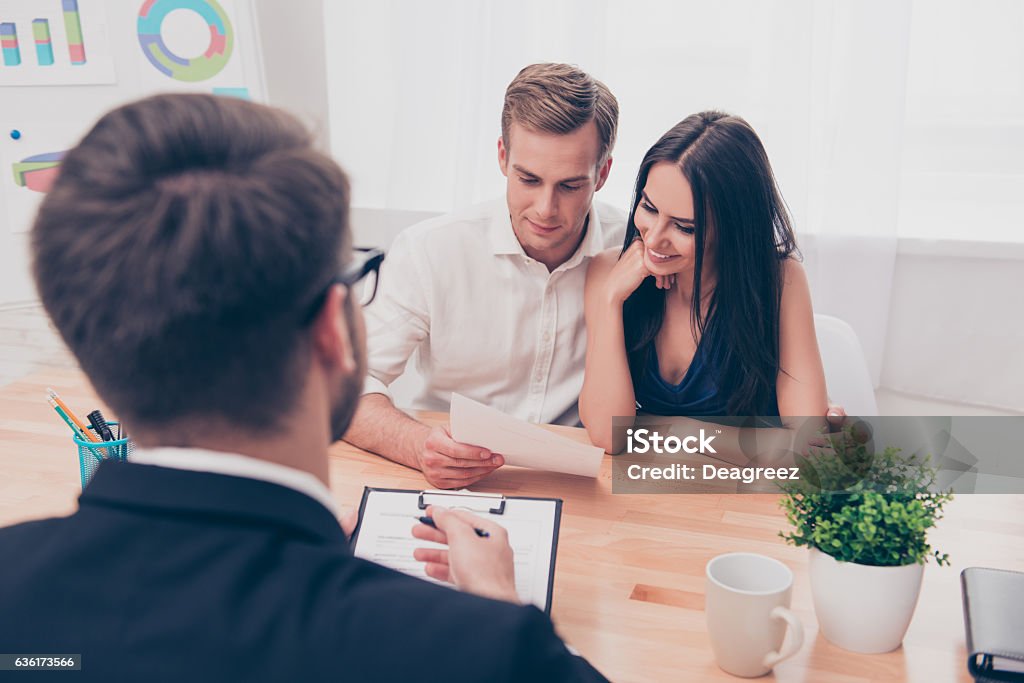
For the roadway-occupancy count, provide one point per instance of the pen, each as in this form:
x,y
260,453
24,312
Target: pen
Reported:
x,y
88,436
429,521
100,426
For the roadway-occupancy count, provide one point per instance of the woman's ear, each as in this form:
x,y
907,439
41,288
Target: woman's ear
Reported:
x,y
332,335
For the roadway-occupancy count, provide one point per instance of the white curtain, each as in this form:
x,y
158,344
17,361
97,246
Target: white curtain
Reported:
x,y
857,96
416,89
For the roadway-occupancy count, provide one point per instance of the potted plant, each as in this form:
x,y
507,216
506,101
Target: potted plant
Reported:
x,y
865,517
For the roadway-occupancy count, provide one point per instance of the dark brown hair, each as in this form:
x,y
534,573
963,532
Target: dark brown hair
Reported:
x,y
558,99
178,250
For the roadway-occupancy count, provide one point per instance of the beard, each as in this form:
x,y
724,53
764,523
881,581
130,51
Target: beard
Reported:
x,y
343,407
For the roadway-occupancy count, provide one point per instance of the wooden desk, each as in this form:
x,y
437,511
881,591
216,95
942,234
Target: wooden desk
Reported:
x,y
629,584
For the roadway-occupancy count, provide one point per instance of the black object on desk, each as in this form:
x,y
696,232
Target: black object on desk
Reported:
x,y
994,624
100,426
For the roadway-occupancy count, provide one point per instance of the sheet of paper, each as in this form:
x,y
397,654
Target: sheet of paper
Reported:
x,y
385,537
521,444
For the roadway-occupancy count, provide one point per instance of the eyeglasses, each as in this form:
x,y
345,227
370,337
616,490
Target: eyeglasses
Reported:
x,y
360,276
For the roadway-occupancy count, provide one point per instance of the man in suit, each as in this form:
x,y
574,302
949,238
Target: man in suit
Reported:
x,y
195,256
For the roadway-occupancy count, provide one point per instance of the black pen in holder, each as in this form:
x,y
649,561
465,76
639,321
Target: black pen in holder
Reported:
x,y
100,426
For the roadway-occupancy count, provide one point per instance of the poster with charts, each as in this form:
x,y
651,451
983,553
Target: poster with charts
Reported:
x,y
54,42
208,46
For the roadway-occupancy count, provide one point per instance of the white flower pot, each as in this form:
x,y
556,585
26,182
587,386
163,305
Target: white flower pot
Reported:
x,y
863,608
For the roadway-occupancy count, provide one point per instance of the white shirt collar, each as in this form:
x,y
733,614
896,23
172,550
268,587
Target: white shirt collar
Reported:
x,y
237,465
504,240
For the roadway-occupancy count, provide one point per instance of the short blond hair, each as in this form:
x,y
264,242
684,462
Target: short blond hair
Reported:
x,y
558,99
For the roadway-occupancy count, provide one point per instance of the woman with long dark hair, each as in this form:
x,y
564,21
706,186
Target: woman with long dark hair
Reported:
x,y
705,311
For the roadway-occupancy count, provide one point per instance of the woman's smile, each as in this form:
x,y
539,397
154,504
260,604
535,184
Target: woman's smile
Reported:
x,y
658,257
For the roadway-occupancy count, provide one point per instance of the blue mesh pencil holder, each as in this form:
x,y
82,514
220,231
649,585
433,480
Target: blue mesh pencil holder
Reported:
x,y
92,453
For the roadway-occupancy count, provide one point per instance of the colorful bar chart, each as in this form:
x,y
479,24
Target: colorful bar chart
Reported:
x,y
73,26
9,44
44,44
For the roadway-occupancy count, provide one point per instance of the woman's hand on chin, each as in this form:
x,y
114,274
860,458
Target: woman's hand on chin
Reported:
x,y
627,273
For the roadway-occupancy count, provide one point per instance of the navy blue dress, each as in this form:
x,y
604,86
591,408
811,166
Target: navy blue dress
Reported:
x,y
700,393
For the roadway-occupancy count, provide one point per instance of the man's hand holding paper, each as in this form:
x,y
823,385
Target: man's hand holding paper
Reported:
x,y
520,443
449,464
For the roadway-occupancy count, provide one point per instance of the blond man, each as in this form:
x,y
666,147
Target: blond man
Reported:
x,y
492,297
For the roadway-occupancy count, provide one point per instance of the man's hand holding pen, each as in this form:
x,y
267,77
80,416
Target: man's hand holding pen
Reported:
x,y
473,563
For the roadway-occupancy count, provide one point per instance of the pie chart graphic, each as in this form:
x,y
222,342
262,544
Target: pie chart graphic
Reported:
x,y
199,68
38,172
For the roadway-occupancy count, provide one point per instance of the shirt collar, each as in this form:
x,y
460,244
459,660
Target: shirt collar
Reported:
x,y
237,465
503,237
504,240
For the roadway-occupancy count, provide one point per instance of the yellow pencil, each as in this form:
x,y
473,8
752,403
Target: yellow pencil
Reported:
x,y
85,430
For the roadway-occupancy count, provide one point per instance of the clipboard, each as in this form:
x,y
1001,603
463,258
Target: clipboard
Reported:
x,y
487,505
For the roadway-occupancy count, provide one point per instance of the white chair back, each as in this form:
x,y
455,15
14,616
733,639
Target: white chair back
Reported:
x,y
846,369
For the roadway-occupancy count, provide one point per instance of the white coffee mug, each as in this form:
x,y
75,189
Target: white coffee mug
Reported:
x,y
747,609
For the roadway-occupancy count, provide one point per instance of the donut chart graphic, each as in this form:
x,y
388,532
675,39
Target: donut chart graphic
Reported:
x,y
38,172
206,65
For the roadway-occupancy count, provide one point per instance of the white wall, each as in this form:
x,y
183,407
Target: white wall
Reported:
x,y
15,279
294,61
955,324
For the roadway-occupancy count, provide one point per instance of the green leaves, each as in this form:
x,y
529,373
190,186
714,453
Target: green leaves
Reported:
x,y
869,508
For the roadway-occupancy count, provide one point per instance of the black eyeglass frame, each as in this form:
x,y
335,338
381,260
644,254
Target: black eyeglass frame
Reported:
x,y
366,261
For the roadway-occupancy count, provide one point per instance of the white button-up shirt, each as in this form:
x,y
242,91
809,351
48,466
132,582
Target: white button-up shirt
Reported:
x,y
488,321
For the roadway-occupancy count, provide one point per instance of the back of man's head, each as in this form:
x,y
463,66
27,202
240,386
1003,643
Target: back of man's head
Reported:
x,y
559,99
179,252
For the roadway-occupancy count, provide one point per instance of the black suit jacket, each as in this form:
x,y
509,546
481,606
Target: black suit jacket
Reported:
x,y
174,575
